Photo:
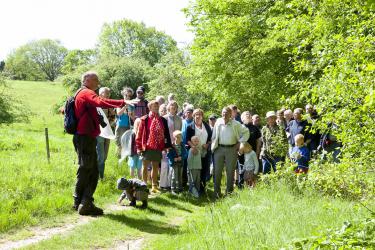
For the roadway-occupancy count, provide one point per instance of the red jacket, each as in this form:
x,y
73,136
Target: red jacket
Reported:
x,y
144,132
85,106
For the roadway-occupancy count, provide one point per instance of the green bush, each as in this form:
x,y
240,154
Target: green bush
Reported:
x,y
10,108
344,180
264,54
355,235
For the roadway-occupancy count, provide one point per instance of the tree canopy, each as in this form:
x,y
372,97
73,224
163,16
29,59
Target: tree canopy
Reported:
x,y
126,38
266,54
37,60
19,65
77,58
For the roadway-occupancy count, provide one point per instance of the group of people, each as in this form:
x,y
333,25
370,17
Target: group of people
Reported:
x,y
176,150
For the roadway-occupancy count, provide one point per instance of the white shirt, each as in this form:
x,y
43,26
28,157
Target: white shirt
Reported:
x,y
251,162
228,134
202,134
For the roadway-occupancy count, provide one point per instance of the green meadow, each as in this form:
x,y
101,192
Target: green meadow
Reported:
x,y
33,190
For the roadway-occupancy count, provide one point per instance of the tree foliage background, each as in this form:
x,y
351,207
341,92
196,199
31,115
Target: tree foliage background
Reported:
x,y
10,108
265,54
258,54
126,55
127,38
37,60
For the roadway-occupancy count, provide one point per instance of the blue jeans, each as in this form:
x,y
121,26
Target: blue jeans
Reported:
x,y
269,162
102,147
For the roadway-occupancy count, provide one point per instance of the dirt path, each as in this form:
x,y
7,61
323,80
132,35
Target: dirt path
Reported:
x,y
136,244
40,234
129,244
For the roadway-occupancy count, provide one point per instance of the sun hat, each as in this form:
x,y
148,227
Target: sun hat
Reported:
x,y
270,114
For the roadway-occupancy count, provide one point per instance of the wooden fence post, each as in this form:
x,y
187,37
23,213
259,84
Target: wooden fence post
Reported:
x,y
47,143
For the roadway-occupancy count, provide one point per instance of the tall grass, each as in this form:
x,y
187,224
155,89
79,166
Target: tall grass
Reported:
x,y
264,218
32,190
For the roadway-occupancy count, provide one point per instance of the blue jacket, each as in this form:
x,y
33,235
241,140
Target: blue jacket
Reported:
x,y
173,154
303,161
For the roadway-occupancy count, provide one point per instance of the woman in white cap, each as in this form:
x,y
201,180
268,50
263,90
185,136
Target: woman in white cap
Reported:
x,y
275,145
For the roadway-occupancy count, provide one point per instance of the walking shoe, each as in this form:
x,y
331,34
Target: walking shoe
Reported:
x,y
144,204
155,190
89,209
132,203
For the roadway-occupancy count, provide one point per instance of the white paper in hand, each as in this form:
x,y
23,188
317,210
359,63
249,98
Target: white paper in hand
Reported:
x,y
107,131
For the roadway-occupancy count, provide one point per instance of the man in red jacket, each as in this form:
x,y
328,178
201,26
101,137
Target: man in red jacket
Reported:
x,y
84,142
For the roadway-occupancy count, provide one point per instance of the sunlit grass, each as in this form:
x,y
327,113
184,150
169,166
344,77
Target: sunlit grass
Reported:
x,y
31,188
264,218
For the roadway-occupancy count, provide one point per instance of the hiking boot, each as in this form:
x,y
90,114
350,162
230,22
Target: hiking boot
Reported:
x,y
76,203
144,204
75,207
89,209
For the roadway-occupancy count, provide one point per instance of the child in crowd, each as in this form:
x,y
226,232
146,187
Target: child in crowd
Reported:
x,y
251,164
300,154
195,166
165,175
134,190
176,156
163,109
135,162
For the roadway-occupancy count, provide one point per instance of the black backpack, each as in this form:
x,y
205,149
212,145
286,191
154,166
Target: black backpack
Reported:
x,y
70,119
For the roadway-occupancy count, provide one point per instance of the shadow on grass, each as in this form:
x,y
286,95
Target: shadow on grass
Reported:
x,y
155,211
145,224
161,200
203,200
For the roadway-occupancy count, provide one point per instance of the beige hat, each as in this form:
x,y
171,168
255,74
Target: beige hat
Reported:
x,y
270,113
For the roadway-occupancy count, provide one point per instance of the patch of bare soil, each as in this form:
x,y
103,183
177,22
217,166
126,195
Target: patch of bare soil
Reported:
x,y
135,244
40,234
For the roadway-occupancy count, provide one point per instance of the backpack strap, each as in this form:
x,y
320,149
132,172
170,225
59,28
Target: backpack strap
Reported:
x,y
77,92
75,96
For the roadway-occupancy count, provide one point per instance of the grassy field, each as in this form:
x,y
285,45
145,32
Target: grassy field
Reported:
x,y
264,218
31,189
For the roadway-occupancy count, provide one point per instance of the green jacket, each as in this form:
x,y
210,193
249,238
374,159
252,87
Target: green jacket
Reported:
x,y
275,143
